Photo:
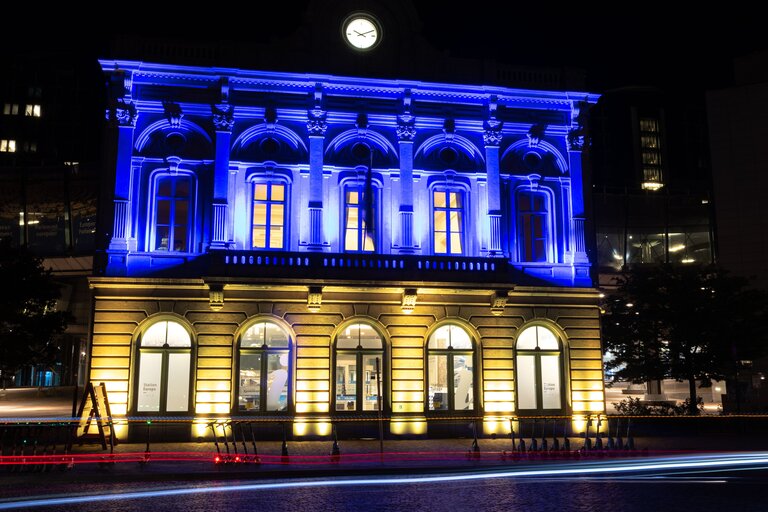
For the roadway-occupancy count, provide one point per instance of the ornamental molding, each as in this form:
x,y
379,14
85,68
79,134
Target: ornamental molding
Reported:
x,y
223,117
317,124
173,113
124,113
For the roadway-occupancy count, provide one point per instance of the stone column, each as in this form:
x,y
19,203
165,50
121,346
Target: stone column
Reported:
x,y
492,138
223,121
316,127
575,144
123,116
406,132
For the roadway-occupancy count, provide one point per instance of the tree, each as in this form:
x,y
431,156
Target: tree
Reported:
x,y
29,322
687,323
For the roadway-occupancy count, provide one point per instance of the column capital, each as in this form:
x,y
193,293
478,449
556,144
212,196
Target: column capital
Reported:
x,y
316,122
223,117
406,129
575,139
124,113
492,132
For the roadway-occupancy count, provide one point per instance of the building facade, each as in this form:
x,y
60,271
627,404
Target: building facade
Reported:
x,y
314,249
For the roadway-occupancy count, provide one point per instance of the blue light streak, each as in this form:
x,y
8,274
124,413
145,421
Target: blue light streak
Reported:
x,y
721,461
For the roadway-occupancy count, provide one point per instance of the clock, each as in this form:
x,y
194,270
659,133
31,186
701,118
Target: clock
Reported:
x,y
361,31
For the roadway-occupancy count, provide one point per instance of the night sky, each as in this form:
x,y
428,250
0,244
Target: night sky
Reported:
x,y
643,47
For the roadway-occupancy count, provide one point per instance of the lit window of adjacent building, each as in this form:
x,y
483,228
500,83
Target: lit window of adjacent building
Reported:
x,y
532,225
173,212
32,111
450,370
10,109
650,154
358,228
29,147
448,221
164,369
264,363
7,146
538,370
268,216
357,386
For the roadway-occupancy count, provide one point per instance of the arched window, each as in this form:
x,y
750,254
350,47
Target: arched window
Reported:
x,y
264,369
173,213
357,385
539,370
448,221
533,226
450,370
164,370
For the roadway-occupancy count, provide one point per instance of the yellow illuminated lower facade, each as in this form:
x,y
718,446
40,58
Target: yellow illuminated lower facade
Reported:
x,y
325,354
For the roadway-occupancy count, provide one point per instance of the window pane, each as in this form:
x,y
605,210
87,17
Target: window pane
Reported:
x,y
350,240
178,335
259,237
440,339
352,197
254,336
155,336
249,398
441,243
161,238
278,192
438,382
526,382
346,378
182,187
181,213
550,382
260,214
277,381
439,221
527,339
276,238
178,383
352,216
460,338
276,215
439,199
455,222
456,243
164,187
164,212
150,373
455,198
275,335
462,382
260,193
547,339
369,338
370,384
180,238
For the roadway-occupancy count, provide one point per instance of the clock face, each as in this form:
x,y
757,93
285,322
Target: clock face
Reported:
x,y
361,32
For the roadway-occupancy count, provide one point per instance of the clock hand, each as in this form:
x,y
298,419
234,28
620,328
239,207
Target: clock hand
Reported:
x,y
367,32
358,33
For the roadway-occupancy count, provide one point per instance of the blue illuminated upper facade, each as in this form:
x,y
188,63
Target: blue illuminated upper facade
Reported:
x,y
229,172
